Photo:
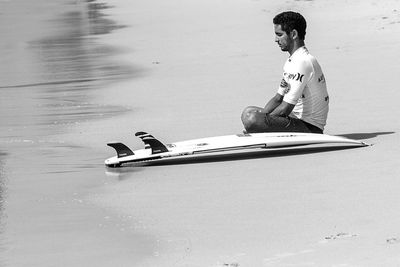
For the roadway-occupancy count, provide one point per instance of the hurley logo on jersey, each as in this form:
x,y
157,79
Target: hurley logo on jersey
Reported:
x,y
294,76
290,76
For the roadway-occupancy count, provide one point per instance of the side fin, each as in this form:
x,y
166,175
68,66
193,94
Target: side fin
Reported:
x,y
122,150
149,140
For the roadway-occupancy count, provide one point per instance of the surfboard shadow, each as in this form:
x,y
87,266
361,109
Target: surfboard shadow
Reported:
x,y
362,136
237,156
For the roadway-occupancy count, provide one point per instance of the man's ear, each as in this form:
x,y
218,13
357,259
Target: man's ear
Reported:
x,y
294,34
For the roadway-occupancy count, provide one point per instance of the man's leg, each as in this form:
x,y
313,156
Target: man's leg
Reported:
x,y
256,121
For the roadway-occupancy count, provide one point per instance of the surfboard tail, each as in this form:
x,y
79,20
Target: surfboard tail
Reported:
x,y
151,142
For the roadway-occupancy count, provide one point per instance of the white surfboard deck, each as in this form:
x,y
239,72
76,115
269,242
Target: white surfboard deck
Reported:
x,y
155,150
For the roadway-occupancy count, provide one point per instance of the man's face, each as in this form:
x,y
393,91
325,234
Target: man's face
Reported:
x,y
284,41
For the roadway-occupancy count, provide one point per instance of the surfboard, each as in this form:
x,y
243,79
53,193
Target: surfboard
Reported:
x,y
155,150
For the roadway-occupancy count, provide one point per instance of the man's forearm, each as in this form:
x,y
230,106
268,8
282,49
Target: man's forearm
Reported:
x,y
283,110
273,103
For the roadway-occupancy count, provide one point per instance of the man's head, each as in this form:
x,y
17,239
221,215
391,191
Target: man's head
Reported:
x,y
289,27
290,21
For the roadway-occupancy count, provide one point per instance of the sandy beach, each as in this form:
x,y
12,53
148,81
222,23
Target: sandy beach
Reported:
x,y
77,74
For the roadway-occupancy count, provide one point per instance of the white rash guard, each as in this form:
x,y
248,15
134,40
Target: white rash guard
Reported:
x,y
304,86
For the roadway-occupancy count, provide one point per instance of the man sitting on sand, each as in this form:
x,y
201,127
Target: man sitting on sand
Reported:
x,y
302,102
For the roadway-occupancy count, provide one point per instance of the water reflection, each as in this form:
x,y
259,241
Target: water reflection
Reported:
x,y
72,63
54,70
74,55
100,23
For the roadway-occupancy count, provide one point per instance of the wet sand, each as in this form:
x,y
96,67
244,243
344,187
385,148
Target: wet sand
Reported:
x,y
184,70
52,65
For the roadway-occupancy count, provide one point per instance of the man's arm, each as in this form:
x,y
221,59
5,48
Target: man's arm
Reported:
x,y
273,103
276,106
283,110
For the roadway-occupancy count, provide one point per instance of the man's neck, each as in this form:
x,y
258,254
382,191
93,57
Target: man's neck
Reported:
x,y
296,45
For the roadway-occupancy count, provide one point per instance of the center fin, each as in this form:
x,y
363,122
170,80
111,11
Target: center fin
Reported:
x,y
149,140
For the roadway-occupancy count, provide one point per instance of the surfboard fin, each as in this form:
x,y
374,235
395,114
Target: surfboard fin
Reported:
x,y
150,142
122,150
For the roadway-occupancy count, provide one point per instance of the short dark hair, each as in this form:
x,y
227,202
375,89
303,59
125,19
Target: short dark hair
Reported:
x,y
290,21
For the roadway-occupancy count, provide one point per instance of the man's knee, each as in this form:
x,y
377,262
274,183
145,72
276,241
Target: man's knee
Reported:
x,y
250,117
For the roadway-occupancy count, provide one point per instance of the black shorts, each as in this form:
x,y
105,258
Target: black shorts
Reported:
x,y
313,128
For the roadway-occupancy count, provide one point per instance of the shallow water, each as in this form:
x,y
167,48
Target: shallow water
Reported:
x,y
52,65
57,64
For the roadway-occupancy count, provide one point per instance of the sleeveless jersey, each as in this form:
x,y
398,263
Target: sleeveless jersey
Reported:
x,y
303,85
